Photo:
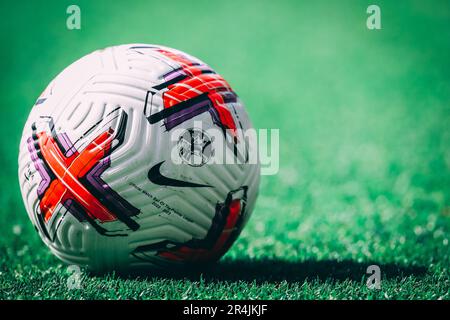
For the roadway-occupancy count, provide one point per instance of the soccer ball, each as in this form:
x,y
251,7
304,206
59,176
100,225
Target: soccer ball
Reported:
x,y
97,166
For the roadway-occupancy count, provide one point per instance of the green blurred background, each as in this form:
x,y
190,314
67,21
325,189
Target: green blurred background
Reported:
x,y
364,119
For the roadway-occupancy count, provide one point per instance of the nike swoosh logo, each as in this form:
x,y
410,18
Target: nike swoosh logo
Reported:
x,y
155,176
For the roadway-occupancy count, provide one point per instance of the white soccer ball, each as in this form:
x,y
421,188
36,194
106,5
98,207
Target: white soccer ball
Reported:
x,y
115,171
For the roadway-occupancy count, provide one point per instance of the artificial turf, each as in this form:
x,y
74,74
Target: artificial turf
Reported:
x,y
364,121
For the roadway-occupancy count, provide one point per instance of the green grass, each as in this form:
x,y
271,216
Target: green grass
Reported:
x,y
365,143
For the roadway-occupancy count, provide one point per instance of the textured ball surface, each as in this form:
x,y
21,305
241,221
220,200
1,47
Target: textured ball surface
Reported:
x,y
96,165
